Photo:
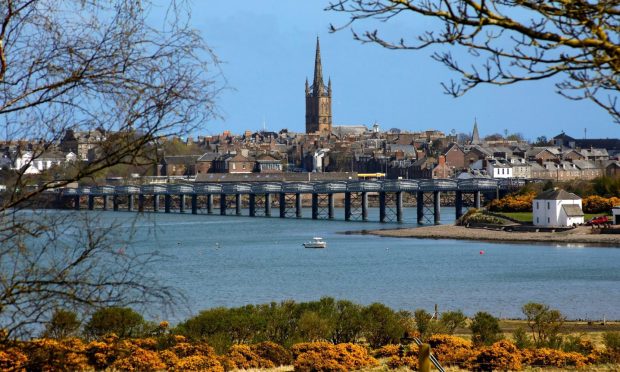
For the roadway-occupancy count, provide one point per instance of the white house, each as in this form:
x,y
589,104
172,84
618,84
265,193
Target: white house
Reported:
x,y
557,208
498,169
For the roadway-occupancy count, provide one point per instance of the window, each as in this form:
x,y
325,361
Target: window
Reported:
x,y
548,205
536,205
548,220
537,220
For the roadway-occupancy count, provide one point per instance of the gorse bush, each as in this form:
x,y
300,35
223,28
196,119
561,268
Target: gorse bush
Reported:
x,y
323,356
513,203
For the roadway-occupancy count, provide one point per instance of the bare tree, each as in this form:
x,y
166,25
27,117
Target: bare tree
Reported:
x,y
86,65
518,40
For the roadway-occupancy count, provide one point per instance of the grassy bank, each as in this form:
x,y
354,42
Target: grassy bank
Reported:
x,y
527,216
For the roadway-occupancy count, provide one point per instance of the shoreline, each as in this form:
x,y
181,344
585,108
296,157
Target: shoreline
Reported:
x,y
580,235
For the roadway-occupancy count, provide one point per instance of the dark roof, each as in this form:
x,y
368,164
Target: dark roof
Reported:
x,y
557,195
181,159
572,210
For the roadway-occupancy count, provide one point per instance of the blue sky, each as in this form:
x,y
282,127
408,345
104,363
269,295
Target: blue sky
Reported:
x,y
267,49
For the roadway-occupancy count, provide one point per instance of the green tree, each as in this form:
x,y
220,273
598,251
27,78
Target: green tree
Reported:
x,y
451,320
347,322
422,321
515,40
381,325
63,324
544,323
122,321
313,327
485,329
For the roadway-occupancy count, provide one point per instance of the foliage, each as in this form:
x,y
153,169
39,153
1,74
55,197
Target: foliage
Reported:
x,y
544,324
612,346
243,357
12,359
49,354
451,350
485,329
387,351
502,355
599,204
382,325
408,358
63,324
521,339
546,357
322,356
515,41
273,352
513,203
451,320
422,321
138,359
577,344
121,321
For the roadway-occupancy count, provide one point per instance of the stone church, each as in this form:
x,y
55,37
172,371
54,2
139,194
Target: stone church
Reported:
x,y
318,100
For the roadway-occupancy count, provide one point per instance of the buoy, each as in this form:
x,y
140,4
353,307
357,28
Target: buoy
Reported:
x,y
481,252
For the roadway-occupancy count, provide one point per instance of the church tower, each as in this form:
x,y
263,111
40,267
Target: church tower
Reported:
x,y
318,99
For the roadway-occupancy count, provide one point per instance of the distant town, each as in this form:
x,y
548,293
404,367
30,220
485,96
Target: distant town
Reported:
x,y
333,149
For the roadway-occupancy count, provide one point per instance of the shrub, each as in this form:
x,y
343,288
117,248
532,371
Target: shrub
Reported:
x,y
139,359
521,339
12,359
612,346
388,351
545,324
407,358
502,355
49,354
546,357
577,344
199,363
513,203
322,356
451,320
451,350
485,329
422,321
278,355
63,324
382,325
243,357
121,321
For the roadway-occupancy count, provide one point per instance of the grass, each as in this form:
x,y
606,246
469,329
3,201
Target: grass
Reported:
x,y
527,216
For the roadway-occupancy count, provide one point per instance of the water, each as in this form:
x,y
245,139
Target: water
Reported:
x,y
233,261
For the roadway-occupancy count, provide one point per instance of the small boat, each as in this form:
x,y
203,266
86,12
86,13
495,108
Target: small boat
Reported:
x,y
316,242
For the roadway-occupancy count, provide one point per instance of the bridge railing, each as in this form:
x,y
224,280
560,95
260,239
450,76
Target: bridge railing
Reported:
x,y
400,185
236,188
127,189
297,187
363,186
330,187
266,188
103,190
477,184
207,188
179,188
438,185
153,189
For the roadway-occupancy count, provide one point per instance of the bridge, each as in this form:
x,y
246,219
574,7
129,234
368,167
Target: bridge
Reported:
x,y
286,197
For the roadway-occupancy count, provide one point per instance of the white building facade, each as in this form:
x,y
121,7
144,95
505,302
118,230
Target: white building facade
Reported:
x,y
557,208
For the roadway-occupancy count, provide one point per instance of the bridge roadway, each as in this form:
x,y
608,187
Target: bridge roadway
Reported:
x,y
260,197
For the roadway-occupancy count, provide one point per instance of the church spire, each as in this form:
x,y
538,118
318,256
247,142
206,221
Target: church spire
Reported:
x,y
475,136
317,84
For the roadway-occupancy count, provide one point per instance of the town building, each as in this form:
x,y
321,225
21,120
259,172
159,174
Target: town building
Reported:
x,y
557,208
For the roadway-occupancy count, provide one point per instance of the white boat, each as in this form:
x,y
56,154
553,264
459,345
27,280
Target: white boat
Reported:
x,y
316,242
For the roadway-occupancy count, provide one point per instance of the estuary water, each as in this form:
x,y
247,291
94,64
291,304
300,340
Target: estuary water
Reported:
x,y
233,261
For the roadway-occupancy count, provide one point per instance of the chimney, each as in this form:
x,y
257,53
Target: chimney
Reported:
x,y
442,160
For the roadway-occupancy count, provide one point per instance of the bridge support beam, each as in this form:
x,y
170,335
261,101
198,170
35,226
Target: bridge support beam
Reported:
x,y
140,202
194,204
210,204
105,202
156,203
437,207
252,205
458,204
315,206
182,203
91,202
330,206
238,204
267,205
115,203
364,206
347,206
76,202
222,204
399,206
298,205
382,206
167,203
130,203
282,205
420,207
477,199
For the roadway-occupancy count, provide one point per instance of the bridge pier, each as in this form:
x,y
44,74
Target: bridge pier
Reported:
x,y
437,207
347,206
130,202
399,206
76,202
210,204
315,206
222,204
91,202
167,203
298,205
115,203
267,205
477,199
156,203
282,205
194,204
105,202
330,206
382,206
420,207
252,205
238,204
458,204
140,202
364,206
182,203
